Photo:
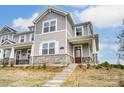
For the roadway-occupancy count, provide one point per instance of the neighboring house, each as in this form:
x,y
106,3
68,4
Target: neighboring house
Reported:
x,y
16,45
57,40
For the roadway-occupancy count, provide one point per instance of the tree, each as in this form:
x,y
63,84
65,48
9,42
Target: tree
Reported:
x,y
121,47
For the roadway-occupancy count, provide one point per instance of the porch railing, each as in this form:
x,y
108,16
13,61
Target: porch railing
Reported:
x,y
87,60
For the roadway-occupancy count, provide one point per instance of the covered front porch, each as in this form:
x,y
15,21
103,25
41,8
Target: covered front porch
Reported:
x,y
20,54
85,49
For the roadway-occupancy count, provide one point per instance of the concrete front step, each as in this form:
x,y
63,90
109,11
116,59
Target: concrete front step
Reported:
x,y
61,77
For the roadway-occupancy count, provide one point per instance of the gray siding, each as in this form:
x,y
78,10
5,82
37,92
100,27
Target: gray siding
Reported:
x,y
58,36
69,48
85,50
16,37
70,29
60,22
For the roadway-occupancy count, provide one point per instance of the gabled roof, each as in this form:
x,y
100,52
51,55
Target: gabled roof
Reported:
x,y
7,41
8,28
49,9
84,23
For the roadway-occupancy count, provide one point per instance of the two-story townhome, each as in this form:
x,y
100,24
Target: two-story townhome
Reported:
x,y
16,45
57,40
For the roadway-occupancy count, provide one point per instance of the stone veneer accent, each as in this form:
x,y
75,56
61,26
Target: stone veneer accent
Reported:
x,y
53,59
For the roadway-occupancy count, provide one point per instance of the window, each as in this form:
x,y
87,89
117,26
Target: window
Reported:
x,y
22,38
5,37
2,39
78,31
52,26
46,27
45,49
32,37
49,48
49,26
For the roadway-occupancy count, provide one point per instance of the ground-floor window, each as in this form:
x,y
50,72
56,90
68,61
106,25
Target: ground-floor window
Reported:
x,y
48,48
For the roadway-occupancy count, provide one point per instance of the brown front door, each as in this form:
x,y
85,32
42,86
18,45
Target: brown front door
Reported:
x,y
78,54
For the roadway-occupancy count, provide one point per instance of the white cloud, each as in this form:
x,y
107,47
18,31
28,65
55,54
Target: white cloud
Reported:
x,y
22,23
101,16
106,46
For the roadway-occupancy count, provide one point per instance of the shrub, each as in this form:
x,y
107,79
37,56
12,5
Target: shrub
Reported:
x,y
98,66
80,65
39,67
44,66
88,66
105,64
119,66
11,62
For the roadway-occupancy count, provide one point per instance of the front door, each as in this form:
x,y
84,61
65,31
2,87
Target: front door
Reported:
x,y
78,54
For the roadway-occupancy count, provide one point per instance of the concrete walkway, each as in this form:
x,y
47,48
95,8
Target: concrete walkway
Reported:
x,y
60,78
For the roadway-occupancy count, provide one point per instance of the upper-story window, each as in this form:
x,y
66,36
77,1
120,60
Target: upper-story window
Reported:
x,y
49,26
32,37
22,38
79,31
5,37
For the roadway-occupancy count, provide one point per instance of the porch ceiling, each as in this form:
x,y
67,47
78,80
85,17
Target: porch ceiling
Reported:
x,y
85,39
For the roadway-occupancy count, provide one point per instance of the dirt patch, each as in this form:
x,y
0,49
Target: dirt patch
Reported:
x,y
26,76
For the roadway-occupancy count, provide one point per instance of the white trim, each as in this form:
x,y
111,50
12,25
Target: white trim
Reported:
x,y
4,36
20,53
27,53
89,49
50,32
66,42
74,51
82,31
6,41
31,34
55,19
20,38
46,11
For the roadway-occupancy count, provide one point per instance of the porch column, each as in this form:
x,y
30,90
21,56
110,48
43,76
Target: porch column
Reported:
x,y
32,54
94,46
94,51
1,55
12,53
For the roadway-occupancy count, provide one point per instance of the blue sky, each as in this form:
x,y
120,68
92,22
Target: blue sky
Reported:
x,y
107,22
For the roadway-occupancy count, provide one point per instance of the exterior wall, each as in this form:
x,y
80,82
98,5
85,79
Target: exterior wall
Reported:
x,y
53,59
69,48
51,15
85,50
16,37
58,36
70,29
10,36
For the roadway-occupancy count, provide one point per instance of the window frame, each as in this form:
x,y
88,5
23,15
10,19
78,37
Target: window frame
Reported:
x,y
81,31
21,38
49,21
4,38
31,35
56,47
